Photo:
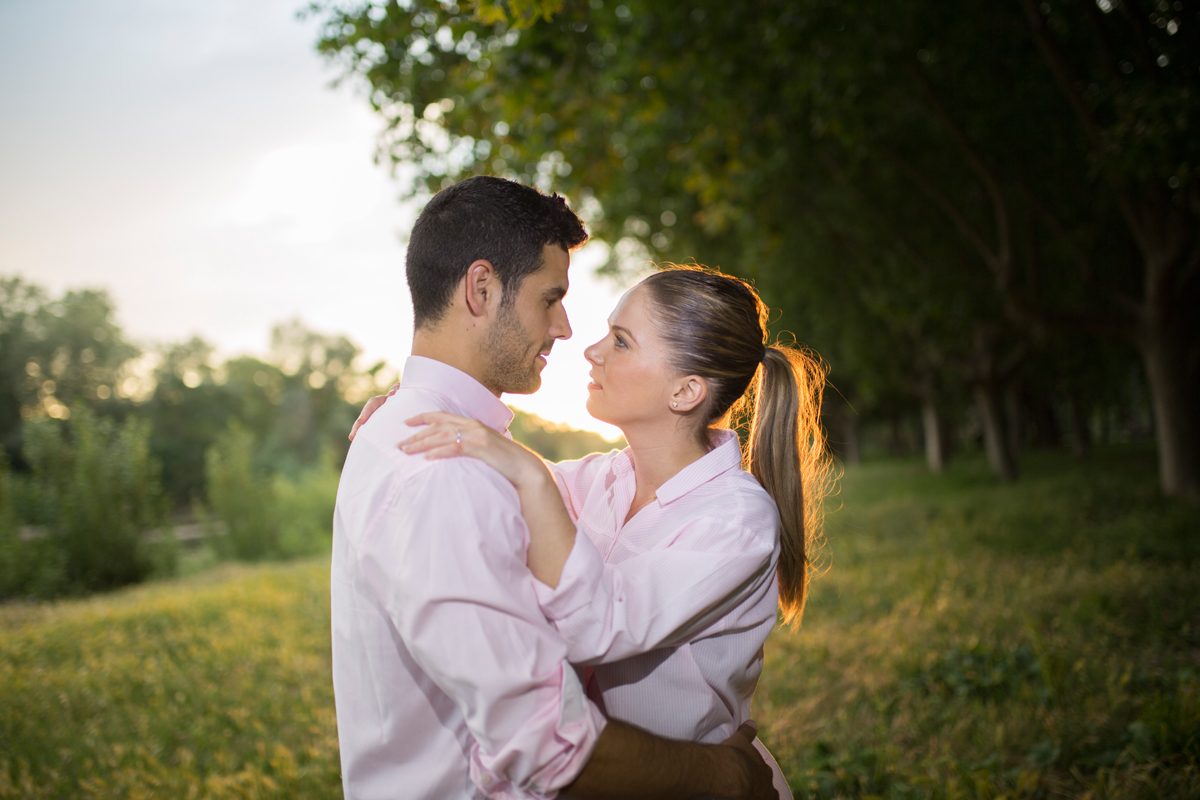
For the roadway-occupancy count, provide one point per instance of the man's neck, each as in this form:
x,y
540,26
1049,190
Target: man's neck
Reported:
x,y
459,352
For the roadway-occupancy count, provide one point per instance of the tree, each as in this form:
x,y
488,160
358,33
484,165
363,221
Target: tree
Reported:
x,y
187,412
1128,73
313,413
105,491
20,344
55,353
716,130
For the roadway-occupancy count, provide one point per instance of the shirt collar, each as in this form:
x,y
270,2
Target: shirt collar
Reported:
x,y
725,455
468,396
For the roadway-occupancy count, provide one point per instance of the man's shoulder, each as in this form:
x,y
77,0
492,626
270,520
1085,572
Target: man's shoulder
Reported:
x,y
463,479
375,459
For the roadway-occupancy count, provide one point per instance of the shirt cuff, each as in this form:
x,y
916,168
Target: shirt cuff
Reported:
x,y
574,726
576,585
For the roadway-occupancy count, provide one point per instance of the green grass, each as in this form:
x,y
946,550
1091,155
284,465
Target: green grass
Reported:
x,y
969,640
212,686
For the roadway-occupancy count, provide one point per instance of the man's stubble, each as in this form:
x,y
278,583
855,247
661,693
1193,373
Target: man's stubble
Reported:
x,y
510,367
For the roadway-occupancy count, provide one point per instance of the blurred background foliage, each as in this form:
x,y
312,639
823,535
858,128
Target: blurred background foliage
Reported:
x,y
988,221
119,463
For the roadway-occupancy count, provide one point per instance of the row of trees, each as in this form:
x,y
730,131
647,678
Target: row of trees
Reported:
x,y
106,449
967,213
66,352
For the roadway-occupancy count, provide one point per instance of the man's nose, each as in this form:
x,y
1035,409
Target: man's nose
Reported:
x,y
561,328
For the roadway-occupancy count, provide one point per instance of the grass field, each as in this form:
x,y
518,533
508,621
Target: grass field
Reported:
x,y
969,640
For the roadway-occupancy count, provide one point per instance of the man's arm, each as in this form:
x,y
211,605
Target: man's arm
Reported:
x,y
629,763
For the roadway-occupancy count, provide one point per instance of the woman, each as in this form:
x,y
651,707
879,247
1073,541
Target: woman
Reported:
x,y
668,597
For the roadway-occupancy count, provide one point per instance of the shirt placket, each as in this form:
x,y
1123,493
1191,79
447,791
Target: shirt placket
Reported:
x,y
620,497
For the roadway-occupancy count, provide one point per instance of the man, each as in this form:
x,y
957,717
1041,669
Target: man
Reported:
x,y
448,680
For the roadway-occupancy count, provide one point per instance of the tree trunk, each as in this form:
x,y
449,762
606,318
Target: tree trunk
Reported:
x,y
1043,421
851,451
1013,419
934,434
895,438
989,400
842,424
1079,435
1175,396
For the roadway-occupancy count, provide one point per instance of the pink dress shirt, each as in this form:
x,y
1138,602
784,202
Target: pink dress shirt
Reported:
x,y
671,609
449,681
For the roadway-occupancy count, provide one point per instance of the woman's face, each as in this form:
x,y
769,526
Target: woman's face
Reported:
x,y
632,379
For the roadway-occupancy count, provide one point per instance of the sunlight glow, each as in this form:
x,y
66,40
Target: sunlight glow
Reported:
x,y
250,200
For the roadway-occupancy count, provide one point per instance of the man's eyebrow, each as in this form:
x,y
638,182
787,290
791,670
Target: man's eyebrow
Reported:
x,y
555,293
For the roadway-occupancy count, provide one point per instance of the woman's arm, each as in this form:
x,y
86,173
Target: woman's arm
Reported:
x,y
721,578
656,599
551,530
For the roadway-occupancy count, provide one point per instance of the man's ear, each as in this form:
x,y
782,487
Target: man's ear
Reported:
x,y
690,392
481,287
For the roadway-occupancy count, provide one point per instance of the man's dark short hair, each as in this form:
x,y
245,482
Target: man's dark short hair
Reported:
x,y
483,217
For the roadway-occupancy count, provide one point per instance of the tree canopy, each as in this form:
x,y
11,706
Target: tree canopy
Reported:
x,y
911,184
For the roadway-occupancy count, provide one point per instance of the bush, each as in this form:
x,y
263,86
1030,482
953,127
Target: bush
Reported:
x,y
267,516
306,508
101,492
28,567
242,497
10,543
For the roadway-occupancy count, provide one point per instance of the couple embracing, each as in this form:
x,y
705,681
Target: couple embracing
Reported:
x,y
506,627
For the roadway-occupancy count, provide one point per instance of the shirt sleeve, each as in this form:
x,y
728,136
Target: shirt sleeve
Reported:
x,y
660,598
454,581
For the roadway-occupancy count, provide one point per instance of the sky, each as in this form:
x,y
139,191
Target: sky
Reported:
x,y
196,161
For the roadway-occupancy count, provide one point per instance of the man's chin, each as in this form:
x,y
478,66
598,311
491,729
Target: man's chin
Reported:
x,y
528,386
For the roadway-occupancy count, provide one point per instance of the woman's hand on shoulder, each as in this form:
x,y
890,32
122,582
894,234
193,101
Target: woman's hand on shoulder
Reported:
x,y
446,435
370,408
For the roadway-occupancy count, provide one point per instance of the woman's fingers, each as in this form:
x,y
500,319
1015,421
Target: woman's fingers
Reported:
x,y
422,442
443,451
370,408
457,440
436,422
450,436
432,417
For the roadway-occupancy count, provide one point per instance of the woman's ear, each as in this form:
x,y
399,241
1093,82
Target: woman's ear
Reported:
x,y
481,287
690,393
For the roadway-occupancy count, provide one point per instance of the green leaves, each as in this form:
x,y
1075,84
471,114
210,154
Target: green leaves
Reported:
x,y
903,180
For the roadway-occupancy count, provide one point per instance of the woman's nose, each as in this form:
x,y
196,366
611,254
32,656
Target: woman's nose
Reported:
x,y
592,353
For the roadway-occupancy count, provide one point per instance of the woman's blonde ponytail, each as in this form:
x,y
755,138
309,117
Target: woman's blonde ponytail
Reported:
x,y
788,456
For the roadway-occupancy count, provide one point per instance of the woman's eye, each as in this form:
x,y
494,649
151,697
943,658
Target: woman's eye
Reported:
x,y
619,341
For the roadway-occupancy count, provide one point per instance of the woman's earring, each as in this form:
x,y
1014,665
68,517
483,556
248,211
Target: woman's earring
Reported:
x,y
674,404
